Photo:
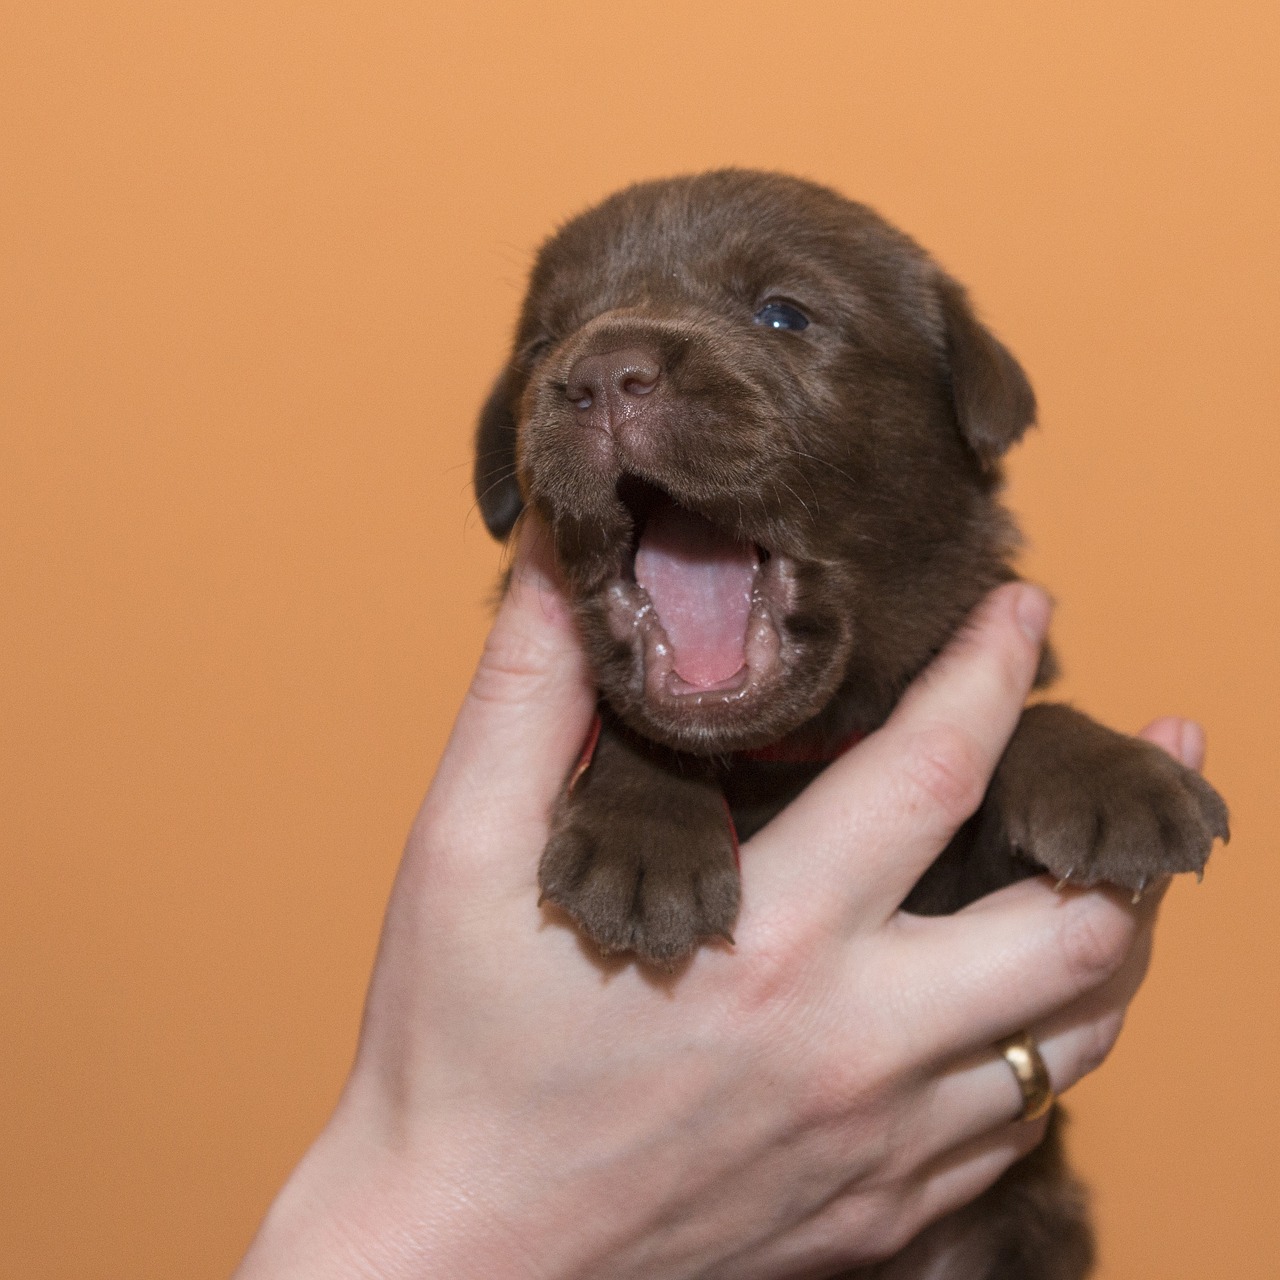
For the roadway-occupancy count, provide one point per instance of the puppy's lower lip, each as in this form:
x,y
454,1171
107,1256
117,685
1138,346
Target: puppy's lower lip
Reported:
x,y
678,687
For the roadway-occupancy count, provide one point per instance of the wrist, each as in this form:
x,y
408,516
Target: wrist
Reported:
x,y
337,1215
356,1206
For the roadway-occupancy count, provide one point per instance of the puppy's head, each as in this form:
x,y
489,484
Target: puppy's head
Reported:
x,y
764,429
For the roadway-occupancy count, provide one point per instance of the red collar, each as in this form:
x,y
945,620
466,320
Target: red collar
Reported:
x,y
785,751
806,751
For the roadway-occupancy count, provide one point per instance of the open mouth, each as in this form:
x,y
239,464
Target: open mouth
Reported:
x,y
702,607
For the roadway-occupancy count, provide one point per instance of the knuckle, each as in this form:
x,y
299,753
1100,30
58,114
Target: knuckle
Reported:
x,y
773,1013
837,1088
1095,943
948,767
789,966
856,1076
773,971
896,1222
514,666
869,1226
905,1210
831,1076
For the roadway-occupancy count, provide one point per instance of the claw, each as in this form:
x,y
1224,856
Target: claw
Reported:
x,y
1066,880
1138,892
1200,876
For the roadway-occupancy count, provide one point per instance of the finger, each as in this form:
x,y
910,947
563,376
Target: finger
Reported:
x,y
857,1226
885,1226
957,984
961,1175
1182,739
524,718
899,796
980,1093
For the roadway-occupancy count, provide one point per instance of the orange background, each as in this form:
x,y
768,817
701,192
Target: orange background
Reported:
x,y
259,265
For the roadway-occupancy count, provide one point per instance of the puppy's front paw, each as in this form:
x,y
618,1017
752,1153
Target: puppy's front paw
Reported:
x,y
642,887
1091,805
641,852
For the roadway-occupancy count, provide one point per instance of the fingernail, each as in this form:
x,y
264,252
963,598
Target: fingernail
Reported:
x,y
1191,745
1033,609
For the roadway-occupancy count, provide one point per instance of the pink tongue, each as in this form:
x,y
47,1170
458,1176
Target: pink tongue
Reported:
x,y
700,583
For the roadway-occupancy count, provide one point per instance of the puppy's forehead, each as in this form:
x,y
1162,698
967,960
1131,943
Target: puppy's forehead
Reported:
x,y
729,234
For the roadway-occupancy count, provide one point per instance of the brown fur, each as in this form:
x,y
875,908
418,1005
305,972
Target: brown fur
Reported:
x,y
862,453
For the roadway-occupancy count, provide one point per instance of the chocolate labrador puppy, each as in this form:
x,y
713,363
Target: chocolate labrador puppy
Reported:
x,y
765,431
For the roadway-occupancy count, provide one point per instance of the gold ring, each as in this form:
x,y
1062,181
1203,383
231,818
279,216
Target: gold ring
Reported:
x,y
1024,1059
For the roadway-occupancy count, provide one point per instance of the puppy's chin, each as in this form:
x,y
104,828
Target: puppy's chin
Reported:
x,y
700,638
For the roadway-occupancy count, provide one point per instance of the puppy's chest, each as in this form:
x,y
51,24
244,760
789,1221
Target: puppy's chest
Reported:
x,y
975,862
757,790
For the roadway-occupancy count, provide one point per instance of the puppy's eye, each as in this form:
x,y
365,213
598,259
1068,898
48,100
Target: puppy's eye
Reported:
x,y
538,348
781,315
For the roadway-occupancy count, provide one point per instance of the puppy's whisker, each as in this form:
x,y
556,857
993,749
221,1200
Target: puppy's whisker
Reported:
x,y
795,495
490,453
488,488
507,557
824,462
477,504
497,484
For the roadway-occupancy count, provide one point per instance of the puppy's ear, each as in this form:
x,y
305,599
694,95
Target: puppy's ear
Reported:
x,y
494,476
994,400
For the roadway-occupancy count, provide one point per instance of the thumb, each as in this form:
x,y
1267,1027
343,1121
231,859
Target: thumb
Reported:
x,y
525,715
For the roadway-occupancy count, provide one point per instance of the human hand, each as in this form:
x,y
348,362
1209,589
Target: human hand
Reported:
x,y
808,1099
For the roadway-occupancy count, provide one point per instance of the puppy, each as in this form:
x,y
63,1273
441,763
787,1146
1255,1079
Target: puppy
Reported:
x,y
765,431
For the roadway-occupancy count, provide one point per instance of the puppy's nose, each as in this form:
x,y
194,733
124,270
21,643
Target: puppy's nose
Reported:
x,y
608,388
